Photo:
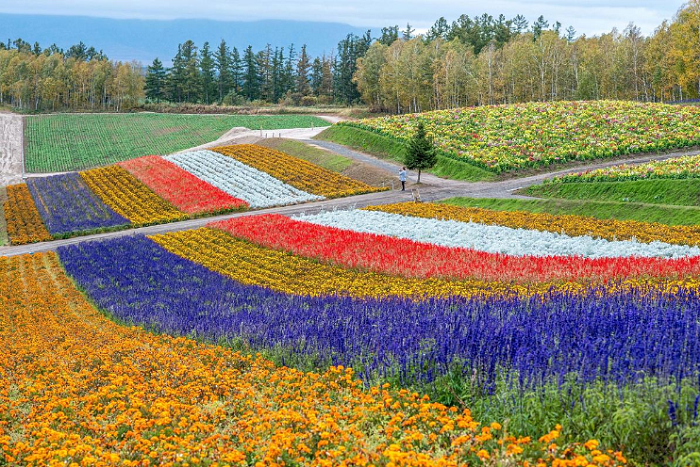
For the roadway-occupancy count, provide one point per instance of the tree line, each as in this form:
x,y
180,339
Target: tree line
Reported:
x,y
470,61
486,60
226,75
36,79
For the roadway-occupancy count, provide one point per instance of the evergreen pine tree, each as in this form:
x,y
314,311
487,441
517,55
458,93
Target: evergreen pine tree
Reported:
x,y
278,90
289,70
191,86
407,34
206,65
264,59
251,81
156,77
316,76
222,61
176,77
236,70
302,75
420,152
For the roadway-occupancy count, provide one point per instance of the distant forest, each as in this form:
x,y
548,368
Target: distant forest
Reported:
x,y
481,61
471,61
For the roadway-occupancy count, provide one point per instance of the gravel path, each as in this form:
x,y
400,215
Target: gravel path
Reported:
x,y
11,149
432,188
384,197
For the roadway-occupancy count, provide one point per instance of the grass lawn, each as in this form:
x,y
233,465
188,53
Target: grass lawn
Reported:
x,y
320,157
389,148
64,142
674,192
663,214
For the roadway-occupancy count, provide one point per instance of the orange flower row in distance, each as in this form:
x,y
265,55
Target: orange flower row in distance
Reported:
x,y
297,172
24,224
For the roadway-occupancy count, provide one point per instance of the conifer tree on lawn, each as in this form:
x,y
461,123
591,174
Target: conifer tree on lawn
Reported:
x,y
420,153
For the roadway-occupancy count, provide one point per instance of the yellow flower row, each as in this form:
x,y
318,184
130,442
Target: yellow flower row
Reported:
x,y
297,172
24,224
251,264
127,196
254,265
572,225
79,390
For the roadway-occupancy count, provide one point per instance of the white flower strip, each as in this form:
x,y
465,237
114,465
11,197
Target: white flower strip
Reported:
x,y
492,238
258,188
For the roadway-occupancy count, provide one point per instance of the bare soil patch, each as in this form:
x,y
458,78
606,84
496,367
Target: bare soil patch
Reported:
x,y
11,149
4,239
371,175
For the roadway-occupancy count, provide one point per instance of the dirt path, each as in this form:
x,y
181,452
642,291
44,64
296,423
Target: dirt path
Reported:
x,y
332,118
11,149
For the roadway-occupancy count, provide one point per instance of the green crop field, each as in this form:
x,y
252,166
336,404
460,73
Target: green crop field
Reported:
x,y
57,143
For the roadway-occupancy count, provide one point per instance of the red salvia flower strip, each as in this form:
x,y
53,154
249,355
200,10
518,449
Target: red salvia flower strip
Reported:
x,y
408,258
179,187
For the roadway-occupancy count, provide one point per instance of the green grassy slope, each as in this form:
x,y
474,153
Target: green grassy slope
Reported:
x,y
670,215
325,159
674,192
389,148
64,142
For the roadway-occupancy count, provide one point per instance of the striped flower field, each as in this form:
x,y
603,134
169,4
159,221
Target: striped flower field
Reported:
x,y
381,336
155,190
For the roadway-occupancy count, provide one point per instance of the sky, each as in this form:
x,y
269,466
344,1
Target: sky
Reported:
x,y
586,16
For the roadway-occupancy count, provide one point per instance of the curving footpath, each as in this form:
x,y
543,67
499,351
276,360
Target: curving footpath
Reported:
x,y
432,188
499,189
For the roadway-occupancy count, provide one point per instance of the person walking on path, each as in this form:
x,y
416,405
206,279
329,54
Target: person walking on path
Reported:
x,y
402,178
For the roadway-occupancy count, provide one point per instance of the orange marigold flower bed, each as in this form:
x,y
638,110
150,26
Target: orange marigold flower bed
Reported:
x,y
24,224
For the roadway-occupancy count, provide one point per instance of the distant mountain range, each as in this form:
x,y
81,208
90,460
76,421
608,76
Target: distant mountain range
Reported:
x,y
144,40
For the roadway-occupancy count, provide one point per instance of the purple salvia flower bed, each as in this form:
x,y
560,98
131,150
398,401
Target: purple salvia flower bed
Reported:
x,y
615,337
67,205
